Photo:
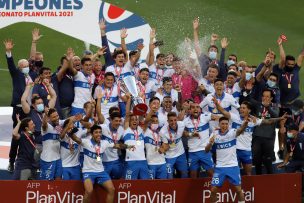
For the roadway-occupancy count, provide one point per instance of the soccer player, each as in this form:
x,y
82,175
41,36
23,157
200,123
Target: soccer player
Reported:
x,y
145,87
171,134
224,141
136,163
93,170
197,131
155,149
113,132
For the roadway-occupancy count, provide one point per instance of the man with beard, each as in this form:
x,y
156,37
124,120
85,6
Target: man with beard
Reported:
x,y
166,107
197,131
206,84
288,71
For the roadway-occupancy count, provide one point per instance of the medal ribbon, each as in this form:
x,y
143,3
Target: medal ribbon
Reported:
x,y
30,140
288,78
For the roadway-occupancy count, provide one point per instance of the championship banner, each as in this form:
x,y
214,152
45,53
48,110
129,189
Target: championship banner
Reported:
x,y
79,19
279,188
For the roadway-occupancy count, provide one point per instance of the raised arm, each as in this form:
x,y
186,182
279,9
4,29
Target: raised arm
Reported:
x,y
197,47
123,36
35,37
100,116
15,133
137,55
53,95
9,45
104,42
26,108
271,121
282,53
128,111
150,56
300,58
67,64
223,69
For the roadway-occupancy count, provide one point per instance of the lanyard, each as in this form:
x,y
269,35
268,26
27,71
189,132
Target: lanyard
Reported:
x,y
30,140
178,80
142,89
113,135
195,124
170,134
27,79
108,94
136,134
288,78
118,73
265,111
96,147
46,89
156,138
58,128
158,76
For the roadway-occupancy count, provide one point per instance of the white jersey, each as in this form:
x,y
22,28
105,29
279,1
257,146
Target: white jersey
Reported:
x,y
119,72
152,144
112,136
244,140
200,125
174,139
90,151
208,85
147,89
225,146
82,88
51,142
134,70
226,101
162,116
110,98
70,150
173,94
157,74
135,138
235,91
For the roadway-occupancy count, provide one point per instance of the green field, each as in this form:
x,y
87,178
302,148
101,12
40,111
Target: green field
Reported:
x,y
251,27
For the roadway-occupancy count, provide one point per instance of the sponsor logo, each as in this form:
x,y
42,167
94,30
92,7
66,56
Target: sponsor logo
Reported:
x,y
148,197
58,197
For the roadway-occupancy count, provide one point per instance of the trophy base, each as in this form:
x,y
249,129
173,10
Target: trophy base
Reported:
x,y
140,109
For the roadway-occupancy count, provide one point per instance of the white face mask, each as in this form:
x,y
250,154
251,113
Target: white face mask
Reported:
x,y
25,70
154,126
212,55
248,76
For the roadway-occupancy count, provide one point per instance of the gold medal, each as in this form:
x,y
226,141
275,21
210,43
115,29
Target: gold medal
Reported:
x,y
105,101
48,97
214,110
98,159
138,142
289,86
172,144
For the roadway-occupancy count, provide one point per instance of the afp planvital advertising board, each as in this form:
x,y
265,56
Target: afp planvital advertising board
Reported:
x,y
279,188
79,19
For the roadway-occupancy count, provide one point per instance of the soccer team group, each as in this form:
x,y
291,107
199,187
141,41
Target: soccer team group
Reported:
x,y
79,122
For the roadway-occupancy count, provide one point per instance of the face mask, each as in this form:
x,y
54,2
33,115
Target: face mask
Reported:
x,y
289,135
40,107
271,83
248,76
25,70
240,68
212,55
230,62
38,64
154,127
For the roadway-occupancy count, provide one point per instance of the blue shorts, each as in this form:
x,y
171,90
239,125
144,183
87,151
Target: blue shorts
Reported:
x,y
75,110
136,170
50,170
180,163
96,177
114,169
158,171
245,157
198,159
231,173
71,173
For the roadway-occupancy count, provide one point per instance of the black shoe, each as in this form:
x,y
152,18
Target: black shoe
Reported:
x,y
10,168
281,154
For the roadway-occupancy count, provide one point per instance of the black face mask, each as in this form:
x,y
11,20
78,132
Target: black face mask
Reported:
x,y
38,64
288,69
